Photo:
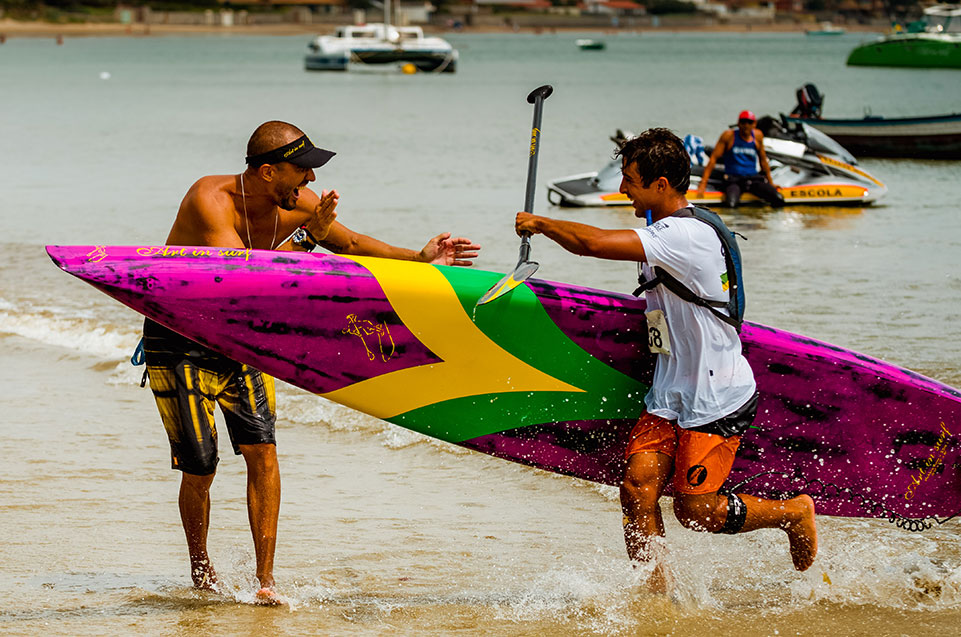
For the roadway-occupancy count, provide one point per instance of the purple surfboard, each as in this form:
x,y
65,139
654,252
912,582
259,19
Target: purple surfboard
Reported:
x,y
551,375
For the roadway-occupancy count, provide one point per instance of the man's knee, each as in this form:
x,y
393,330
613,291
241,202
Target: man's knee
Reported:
x,y
639,494
732,197
199,483
775,199
768,193
260,456
701,512
642,482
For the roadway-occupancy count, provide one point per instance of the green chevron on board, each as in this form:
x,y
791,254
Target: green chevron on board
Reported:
x,y
607,393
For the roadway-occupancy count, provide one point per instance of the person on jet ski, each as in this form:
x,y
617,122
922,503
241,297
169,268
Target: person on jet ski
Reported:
x,y
741,150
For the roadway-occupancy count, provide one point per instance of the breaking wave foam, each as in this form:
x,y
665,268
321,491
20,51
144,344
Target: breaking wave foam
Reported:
x,y
80,331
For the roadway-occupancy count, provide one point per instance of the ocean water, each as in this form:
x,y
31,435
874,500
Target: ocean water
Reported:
x,y
384,531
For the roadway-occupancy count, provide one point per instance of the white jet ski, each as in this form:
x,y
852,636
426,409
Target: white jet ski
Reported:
x,y
807,166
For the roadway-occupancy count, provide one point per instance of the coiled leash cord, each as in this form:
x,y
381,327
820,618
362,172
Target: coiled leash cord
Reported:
x,y
829,490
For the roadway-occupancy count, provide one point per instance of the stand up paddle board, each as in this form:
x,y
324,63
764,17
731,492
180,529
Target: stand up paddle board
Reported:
x,y
552,375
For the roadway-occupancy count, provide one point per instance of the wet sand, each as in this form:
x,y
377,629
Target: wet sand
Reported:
x,y
384,532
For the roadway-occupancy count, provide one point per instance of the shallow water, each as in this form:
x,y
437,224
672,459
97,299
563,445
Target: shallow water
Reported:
x,y
383,530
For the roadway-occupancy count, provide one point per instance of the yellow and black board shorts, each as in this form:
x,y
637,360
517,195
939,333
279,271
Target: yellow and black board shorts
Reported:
x,y
187,380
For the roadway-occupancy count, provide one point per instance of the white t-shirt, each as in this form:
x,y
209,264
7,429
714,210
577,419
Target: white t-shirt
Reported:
x,y
705,377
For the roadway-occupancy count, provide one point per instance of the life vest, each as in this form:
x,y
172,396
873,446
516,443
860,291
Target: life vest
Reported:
x,y
740,160
732,259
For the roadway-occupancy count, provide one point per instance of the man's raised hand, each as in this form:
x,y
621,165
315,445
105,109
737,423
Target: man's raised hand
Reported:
x,y
324,215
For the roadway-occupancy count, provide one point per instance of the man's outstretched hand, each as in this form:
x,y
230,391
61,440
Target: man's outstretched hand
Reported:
x,y
446,251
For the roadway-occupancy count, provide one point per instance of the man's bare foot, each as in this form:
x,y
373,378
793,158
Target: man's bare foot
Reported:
x,y
802,533
267,596
653,549
203,575
659,581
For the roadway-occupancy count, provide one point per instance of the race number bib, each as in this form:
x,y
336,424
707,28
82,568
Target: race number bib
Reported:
x,y
658,336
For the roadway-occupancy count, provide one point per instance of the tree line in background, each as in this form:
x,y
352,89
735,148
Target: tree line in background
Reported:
x,y
38,8
13,6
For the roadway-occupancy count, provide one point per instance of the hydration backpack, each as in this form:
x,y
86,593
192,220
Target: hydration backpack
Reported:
x,y
734,282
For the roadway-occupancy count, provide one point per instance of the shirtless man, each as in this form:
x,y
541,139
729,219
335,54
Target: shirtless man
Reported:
x,y
268,201
704,394
742,151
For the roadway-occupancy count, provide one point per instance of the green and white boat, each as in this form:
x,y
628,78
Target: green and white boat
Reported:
x,y
934,43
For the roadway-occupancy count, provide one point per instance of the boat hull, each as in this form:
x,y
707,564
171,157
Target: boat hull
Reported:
x,y
910,50
551,375
572,193
937,137
432,61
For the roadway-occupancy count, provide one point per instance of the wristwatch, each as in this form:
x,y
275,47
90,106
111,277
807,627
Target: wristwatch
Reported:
x,y
304,239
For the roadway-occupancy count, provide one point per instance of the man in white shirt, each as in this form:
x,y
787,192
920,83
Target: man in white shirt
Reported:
x,y
703,395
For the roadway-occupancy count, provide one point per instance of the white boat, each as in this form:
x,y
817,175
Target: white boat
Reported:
x,y
826,28
379,44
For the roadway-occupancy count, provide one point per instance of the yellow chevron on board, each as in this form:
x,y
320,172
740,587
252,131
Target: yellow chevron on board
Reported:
x,y
472,364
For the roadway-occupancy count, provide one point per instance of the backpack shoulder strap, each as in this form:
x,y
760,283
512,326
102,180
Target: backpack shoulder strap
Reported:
x,y
683,292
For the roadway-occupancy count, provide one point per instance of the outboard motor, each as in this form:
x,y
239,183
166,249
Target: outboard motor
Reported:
x,y
809,102
620,138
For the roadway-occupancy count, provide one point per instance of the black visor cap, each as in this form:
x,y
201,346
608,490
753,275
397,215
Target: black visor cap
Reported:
x,y
299,152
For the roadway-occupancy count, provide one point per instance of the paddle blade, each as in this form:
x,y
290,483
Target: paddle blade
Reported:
x,y
521,273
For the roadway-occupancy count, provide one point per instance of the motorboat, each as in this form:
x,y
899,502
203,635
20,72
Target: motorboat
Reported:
x,y
808,167
380,44
924,137
826,28
585,44
934,42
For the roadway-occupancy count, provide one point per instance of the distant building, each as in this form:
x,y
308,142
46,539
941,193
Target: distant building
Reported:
x,y
613,7
862,8
530,5
752,9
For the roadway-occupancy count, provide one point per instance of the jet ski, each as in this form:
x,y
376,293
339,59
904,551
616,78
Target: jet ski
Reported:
x,y
808,167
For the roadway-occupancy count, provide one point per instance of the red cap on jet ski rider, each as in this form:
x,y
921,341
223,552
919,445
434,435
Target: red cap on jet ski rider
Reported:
x,y
746,116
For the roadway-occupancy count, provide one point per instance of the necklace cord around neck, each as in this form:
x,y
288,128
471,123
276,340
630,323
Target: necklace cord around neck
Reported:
x,y
243,195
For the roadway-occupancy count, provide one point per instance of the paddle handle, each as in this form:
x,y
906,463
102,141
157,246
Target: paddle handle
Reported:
x,y
536,97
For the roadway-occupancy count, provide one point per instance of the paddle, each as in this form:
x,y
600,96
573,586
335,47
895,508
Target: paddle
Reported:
x,y
525,267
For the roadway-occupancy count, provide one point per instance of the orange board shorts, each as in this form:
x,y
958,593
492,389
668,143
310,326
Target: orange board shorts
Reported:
x,y
702,461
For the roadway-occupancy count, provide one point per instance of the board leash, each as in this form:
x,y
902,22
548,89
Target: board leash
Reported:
x,y
829,490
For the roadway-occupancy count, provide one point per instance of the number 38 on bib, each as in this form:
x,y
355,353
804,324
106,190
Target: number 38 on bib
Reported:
x,y
658,335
